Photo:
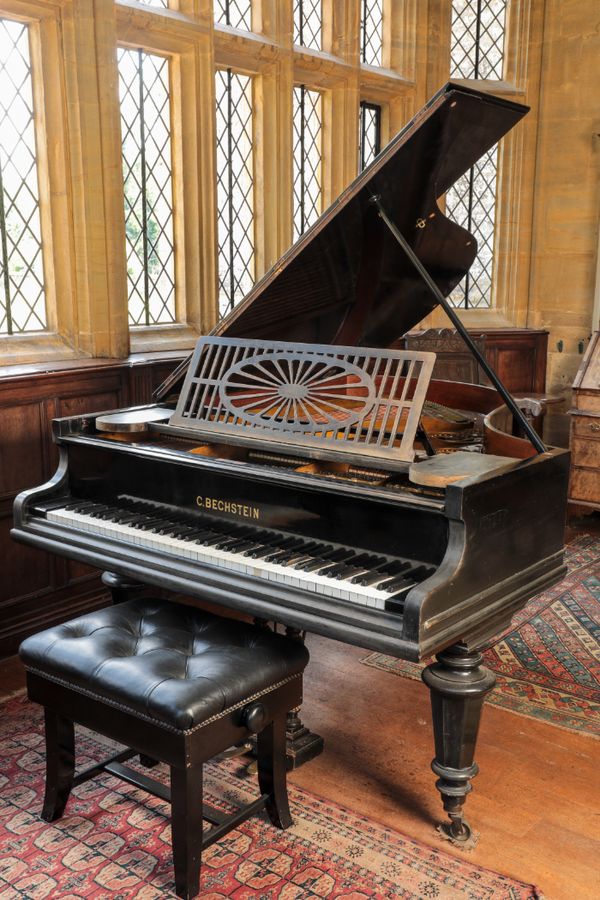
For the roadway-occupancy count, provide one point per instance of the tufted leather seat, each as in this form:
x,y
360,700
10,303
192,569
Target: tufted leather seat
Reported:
x,y
175,685
170,663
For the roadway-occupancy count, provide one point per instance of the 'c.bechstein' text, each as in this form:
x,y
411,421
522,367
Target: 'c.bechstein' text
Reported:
x,y
228,506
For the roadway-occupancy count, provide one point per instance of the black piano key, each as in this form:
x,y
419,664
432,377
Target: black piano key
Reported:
x,y
129,518
338,571
206,536
382,572
327,562
182,531
228,543
80,506
317,562
283,552
321,555
366,560
193,534
295,553
157,524
109,514
278,543
96,510
371,577
396,584
362,566
212,540
305,552
242,546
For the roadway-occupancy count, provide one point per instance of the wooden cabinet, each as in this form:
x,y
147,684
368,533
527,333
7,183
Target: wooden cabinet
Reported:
x,y
38,589
518,355
584,487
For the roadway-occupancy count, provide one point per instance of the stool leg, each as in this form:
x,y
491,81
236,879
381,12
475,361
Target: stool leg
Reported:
x,y
60,764
271,760
186,829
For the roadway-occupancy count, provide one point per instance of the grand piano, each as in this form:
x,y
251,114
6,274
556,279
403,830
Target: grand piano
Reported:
x,y
297,470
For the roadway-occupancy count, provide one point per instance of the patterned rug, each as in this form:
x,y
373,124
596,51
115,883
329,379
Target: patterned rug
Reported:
x,y
114,841
548,661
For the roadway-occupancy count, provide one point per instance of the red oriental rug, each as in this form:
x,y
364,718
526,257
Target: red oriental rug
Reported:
x,y
114,841
548,661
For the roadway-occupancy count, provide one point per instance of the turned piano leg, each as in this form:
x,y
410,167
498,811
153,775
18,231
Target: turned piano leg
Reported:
x,y
458,684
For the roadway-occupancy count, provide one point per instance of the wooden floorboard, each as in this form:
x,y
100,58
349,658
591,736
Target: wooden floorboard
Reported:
x,y
536,800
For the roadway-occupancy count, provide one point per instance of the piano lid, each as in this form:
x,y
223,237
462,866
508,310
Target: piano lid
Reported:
x,y
346,281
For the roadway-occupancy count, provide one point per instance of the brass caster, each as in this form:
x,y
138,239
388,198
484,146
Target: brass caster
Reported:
x,y
459,833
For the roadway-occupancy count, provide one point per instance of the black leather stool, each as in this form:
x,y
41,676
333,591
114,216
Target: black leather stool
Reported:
x,y
175,685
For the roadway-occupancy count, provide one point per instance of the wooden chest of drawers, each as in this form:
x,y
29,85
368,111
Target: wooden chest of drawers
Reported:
x,y
584,488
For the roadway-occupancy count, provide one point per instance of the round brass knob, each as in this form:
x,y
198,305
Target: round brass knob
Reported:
x,y
256,717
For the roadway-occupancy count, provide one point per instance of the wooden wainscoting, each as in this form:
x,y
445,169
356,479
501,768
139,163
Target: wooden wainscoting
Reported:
x,y
38,589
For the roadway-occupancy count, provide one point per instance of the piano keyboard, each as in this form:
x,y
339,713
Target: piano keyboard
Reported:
x,y
368,579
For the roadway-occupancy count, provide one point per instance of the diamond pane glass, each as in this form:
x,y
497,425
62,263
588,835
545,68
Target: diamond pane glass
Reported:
x,y
236,13
307,158
22,298
235,200
147,168
369,136
307,23
471,202
371,32
477,41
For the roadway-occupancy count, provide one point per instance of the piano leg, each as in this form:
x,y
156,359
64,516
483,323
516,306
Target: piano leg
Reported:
x,y
121,588
458,684
302,745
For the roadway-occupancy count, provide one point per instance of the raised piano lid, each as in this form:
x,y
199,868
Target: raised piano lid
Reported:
x,y
346,281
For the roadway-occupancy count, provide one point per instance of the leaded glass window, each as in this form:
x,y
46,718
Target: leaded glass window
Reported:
x,y
235,13
477,43
472,203
307,23
369,137
371,32
307,158
235,201
147,175
22,297
477,51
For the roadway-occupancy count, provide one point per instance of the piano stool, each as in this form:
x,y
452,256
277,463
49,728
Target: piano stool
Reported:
x,y
174,684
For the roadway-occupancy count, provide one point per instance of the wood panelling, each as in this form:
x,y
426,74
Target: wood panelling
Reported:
x,y
91,402
26,571
21,446
37,589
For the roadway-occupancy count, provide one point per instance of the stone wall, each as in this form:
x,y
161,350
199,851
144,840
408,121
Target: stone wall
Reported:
x,y
567,185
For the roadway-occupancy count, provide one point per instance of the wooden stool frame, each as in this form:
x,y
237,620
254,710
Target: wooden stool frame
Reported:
x,y
184,751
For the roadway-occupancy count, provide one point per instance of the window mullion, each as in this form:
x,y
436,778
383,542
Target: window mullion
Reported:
x,y
144,188
5,273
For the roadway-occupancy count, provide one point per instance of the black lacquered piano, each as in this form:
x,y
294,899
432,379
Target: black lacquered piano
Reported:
x,y
299,469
